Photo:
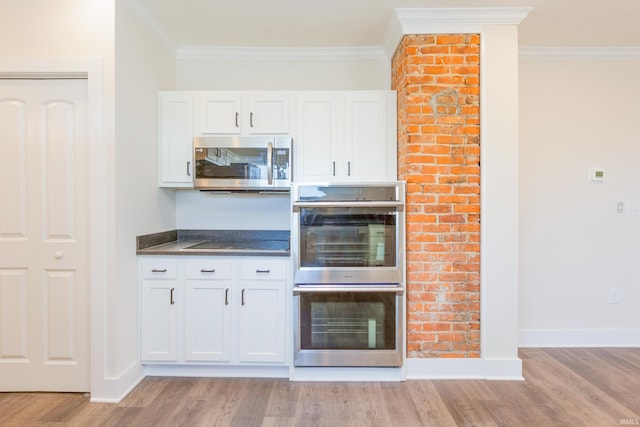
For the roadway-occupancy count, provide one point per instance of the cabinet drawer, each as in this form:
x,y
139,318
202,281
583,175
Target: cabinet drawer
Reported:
x,y
263,270
160,269
208,270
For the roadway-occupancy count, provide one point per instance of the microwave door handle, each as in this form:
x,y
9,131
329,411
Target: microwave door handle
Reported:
x,y
270,163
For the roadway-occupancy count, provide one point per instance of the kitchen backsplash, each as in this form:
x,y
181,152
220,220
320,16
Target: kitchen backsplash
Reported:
x,y
202,210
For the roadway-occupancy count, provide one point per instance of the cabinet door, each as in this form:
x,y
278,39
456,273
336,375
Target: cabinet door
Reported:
x,y
365,137
159,317
261,336
267,114
319,117
176,136
207,323
219,113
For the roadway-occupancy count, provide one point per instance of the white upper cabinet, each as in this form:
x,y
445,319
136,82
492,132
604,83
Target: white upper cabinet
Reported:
x,y
243,113
346,136
338,135
176,136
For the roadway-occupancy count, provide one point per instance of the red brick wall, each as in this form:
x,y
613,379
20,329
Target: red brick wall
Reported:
x,y
437,79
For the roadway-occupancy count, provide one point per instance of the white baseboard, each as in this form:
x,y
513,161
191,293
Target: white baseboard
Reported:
x,y
217,371
459,369
579,338
113,390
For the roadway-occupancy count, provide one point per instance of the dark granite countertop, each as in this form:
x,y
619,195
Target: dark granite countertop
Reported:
x,y
215,242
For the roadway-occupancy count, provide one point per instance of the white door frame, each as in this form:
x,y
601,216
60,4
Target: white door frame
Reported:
x,y
100,192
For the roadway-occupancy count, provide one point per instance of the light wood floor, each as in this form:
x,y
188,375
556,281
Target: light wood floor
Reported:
x,y
572,387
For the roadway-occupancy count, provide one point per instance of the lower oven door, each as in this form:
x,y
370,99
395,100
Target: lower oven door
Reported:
x,y
357,325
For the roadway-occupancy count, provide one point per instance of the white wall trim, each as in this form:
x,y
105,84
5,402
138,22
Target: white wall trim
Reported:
x,y
579,53
464,369
236,53
579,338
113,390
217,371
448,21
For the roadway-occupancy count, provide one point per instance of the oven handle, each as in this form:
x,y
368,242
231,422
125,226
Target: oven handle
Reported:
x,y
342,288
353,204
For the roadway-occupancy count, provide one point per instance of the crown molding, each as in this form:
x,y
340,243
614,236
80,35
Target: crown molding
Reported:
x,y
579,53
150,24
238,53
448,20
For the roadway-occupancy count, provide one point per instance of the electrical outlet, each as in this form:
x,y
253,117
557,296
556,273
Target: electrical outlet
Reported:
x,y
632,209
615,297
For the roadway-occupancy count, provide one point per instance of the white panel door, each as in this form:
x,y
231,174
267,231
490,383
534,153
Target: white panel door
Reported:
x,y
44,289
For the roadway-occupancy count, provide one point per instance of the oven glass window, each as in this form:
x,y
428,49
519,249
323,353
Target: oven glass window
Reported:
x,y
348,321
348,237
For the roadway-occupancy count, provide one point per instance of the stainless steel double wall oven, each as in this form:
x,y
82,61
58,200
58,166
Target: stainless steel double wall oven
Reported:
x,y
348,243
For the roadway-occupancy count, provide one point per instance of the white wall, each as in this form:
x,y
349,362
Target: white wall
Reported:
x,y
143,66
575,248
206,74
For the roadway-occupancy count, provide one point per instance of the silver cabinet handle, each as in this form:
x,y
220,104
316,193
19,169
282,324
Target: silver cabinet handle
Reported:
x,y
270,163
158,270
171,300
226,296
237,117
349,168
188,168
334,168
242,300
263,271
213,270
251,119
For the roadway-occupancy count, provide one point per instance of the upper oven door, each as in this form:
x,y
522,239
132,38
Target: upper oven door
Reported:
x,y
242,163
359,241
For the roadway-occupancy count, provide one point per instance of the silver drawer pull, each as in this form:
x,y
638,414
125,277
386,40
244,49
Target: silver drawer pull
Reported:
x,y
213,270
157,270
263,271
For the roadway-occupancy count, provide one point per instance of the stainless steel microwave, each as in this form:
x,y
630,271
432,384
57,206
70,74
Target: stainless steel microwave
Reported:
x,y
252,163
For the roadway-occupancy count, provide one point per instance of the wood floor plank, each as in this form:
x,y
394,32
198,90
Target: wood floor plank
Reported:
x,y
428,407
570,398
613,379
563,387
281,408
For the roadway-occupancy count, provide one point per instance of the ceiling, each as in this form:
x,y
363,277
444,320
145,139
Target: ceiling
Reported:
x,y
360,23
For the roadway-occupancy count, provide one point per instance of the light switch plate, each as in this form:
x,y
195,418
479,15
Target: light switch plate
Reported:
x,y
596,175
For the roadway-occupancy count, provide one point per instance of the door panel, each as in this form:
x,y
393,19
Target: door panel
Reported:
x,y
13,315
44,313
13,222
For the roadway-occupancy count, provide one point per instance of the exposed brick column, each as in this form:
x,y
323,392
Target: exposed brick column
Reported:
x,y
437,79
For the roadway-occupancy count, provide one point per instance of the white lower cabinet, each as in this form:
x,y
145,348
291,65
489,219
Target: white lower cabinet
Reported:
x,y
213,310
207,311
159,312
261,334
